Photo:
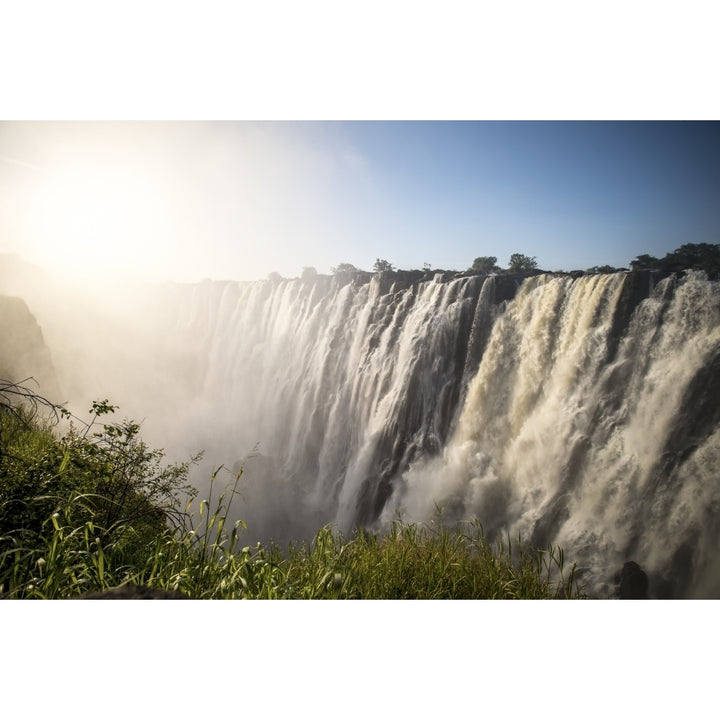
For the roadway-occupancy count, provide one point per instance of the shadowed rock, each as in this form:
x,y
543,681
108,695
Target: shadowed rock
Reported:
x,y
134,592
633,582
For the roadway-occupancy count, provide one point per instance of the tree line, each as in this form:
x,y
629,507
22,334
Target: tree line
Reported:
x,y
691,256
518,263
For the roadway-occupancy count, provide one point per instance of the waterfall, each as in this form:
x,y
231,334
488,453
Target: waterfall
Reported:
x,y
338,386
611,453
579,411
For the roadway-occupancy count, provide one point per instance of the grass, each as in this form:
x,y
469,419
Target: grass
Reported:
x,y
410,561
93,510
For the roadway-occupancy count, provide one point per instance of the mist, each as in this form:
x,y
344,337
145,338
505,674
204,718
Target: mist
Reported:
x,y
561,408
115,202
557,409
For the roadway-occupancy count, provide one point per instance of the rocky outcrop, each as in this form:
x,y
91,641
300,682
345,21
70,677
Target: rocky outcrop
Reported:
x,y
134,592
633,582
23,352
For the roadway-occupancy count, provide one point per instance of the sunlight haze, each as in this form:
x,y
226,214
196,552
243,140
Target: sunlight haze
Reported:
x,y
183,201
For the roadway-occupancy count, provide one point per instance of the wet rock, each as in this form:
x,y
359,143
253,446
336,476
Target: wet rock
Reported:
x,y
633,582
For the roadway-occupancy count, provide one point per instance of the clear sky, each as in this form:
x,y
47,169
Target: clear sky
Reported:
x,y
238,200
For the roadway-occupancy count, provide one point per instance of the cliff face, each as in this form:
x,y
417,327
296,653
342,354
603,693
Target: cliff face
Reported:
x,y
23,352
569,409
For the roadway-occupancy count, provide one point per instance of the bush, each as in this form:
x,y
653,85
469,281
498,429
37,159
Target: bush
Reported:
x,y
343,268
96,508
521,263
382,266
485,264
101,476
691,256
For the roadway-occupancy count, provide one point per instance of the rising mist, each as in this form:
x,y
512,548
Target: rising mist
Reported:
x,y
570,410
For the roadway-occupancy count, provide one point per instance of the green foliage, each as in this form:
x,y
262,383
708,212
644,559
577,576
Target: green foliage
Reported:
x,y
702,256
382,266
343,268
134,484
602,269
99,476
485,264
521,263
95,508
424,561
308,273
209,561
645,262
691,256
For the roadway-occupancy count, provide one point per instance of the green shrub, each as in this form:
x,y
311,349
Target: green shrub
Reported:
x,y
96,508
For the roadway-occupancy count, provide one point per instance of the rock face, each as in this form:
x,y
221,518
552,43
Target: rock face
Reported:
x,y
134,592
23,352
633,582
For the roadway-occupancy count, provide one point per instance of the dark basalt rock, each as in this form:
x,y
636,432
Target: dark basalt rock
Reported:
x,y
633,582
134,592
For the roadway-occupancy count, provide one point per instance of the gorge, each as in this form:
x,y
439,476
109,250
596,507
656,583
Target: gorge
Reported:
x,y
578,410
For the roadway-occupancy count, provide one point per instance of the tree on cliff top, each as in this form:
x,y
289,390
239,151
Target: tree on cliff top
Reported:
x,y
521,263
645,262
485,264
694,256
382,266
691,256
343,268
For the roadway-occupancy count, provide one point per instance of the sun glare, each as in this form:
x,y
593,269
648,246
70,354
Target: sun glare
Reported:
x,y
95,219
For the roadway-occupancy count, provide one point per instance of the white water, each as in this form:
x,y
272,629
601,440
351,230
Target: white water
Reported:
x,y
578,427
336,386
557,444
581,412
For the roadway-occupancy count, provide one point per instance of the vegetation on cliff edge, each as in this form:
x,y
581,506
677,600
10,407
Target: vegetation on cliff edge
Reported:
x,y
93,508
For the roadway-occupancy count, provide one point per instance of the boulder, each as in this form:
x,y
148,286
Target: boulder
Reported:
x,y
134,592
633,582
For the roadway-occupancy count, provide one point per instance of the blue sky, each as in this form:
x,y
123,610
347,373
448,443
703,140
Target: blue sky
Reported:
x,y
571,194
238,200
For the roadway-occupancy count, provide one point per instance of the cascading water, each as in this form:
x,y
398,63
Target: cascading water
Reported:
x,y
338,386
611,454
581,411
